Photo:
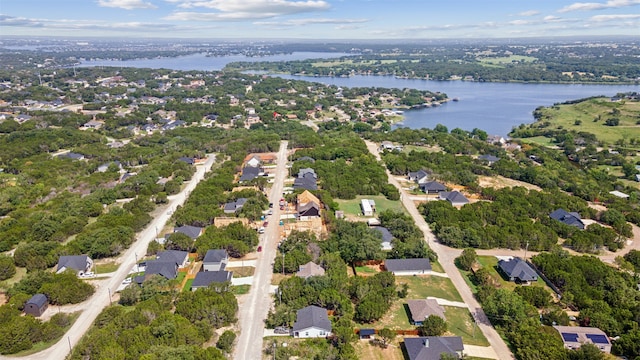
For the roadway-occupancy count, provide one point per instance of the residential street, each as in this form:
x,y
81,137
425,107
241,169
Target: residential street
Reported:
x,y
104,288
253,311
446,258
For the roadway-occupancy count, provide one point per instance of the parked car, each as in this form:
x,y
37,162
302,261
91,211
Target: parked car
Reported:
x,y
270,212
270,205
260,248
266,223
281,330
261,230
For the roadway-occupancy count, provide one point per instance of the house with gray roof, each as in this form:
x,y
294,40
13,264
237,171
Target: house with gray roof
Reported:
x,y
421,309
574,337
233,207
569,218
454,197
215,260
432,187
401,267
306,158
419,177
517,270
387,237
432,347
488,158
166,269
180,258
307,172
307,182
206,279
78,263
312,322
36,305
191,231
249,173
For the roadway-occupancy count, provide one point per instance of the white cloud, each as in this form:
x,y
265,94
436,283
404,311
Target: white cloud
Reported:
x,y
605,18
610,4
238,10
529,13
126,4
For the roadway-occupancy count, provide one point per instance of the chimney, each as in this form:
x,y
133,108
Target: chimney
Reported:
x,y
426,343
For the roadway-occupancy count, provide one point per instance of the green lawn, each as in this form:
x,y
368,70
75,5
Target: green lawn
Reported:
x,y
460,323
365,270
591,116
20,273
240,289
352,207
435,266
421,287
491,263
106,267
397,318
243,271
506,59
187,285
539,140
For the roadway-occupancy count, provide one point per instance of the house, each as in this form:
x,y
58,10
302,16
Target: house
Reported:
x,y
432,347
496,139
308,181
454,197
254,161
307,171
569,218
180,258
187,160
215,260
36,305
573,337
104,167
517,270
367,209
72,156
490,159
311,322
432,187
166,269
419,177
233,207
205,279
78,263
93,124
249,173
308,205
638,177
387,145
387,237
423,308
191,231
401,267
619,194
310,269
366,334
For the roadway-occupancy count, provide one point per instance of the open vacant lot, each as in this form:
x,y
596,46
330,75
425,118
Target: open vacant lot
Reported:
x,y
352,207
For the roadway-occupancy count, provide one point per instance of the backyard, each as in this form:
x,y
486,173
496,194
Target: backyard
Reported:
x,y
352,207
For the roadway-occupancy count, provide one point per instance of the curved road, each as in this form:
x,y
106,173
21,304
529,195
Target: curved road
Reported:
x,y
101,298
446,258
254,310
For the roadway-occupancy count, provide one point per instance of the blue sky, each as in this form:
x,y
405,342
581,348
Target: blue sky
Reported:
x,y
319,19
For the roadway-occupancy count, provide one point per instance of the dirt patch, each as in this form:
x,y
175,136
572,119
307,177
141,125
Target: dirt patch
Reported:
x,y
367,351
499,182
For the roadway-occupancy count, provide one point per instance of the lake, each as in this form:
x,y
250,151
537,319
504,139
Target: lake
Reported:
x,y
493,107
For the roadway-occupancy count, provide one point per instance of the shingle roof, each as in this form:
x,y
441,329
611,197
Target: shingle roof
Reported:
x,y
430,347
191,231
432,186
306,158
488,157
518,269
307,172
312,316
307,197
75,262
38,299
569,218
177,256
206,278
215,256
454,197
307,182
249,173
422,308
407,264
386,234
310,269
168,269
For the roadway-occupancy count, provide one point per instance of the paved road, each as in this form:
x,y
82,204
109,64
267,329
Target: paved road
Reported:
x,y
100,298
254,310
446,258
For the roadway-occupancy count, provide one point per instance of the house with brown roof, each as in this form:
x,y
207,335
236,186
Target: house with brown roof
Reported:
x,y
310,269
421,309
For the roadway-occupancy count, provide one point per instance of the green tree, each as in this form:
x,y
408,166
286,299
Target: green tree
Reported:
x,y
7,267
387,335
225,341
467,259
433,325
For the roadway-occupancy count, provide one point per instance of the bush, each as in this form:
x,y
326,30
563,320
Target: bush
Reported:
x,y
7,267
433,326
225,342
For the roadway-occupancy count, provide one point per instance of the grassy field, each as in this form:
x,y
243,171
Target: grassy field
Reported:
x,y
460,323
421,287
590,116
187,285
107,267
539,140
503,60
240,289
20,273
243,271
352,207
366,350
491,263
